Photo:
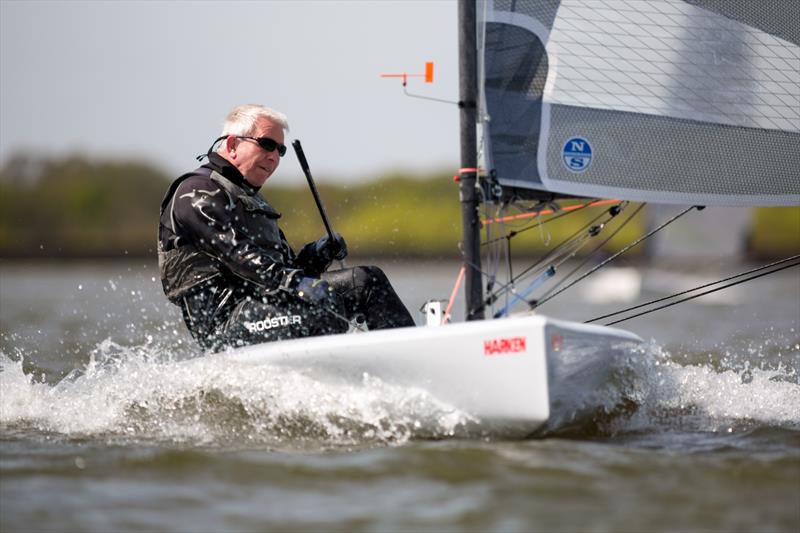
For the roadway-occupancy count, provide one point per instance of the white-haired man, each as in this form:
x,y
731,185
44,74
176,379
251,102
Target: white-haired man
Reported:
x,y
227,264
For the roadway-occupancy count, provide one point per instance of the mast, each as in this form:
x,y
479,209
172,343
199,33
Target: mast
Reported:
x,y
468,90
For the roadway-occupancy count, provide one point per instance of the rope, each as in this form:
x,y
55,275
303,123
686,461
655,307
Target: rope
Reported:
x,y
569,241
459,279
759,269
558,256
625,249
576,240
539,223
565,209
589,257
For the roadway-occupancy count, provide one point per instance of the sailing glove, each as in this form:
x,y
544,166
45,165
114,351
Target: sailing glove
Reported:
x,y
327,249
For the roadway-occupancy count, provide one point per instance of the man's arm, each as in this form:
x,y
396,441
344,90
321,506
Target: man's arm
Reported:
x,y
201,213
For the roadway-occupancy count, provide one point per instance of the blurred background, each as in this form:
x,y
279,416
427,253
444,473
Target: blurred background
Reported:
x,y
103,103
79,206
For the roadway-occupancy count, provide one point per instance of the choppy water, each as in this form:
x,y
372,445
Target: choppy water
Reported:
x,y
109,422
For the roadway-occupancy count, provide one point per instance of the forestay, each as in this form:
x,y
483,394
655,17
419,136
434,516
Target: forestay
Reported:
x,y
668,101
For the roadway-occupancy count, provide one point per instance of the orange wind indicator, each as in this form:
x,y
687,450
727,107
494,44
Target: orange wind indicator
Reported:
x,y
428,75
405,75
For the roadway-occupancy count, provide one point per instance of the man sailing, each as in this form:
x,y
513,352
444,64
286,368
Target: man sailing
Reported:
x,y
226,263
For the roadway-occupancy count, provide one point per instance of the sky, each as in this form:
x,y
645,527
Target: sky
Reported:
x,y
153,80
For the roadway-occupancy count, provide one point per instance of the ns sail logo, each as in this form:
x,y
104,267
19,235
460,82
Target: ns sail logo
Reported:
x,y
577,154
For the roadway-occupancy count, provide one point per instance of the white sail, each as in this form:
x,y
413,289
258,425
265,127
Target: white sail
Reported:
x,y
665,101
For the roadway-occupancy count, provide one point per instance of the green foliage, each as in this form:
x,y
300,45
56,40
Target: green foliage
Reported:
x,y
395,215
80,207
74,206
775,232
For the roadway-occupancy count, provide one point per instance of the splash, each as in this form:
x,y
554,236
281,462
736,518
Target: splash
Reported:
x,y
650,390
146,393
715,396
142,393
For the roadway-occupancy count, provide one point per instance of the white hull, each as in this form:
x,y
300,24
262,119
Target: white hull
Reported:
x,y
506,374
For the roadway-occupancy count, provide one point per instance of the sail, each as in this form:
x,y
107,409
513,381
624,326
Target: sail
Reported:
x,y
668,101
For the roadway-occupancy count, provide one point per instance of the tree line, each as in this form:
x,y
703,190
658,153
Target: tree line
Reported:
x,y
75,206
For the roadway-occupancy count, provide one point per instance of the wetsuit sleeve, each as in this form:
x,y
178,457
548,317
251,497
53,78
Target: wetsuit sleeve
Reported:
x,y
202,213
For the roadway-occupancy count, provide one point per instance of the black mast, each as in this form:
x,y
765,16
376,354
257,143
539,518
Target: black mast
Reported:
x,y
468,96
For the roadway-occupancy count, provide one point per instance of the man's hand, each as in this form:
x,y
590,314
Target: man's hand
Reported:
x,y
328,250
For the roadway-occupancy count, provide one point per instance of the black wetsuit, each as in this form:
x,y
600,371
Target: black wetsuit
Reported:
x,y
227,264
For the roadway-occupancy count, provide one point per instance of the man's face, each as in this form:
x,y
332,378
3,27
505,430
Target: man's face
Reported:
x,y
255,163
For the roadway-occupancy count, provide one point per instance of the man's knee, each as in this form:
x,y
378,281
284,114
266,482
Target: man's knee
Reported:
x,y
370,276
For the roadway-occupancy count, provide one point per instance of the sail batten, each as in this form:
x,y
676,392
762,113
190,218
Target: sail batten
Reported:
x,y
655,100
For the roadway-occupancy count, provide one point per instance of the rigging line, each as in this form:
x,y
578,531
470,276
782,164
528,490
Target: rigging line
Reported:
x,y
571,245
502,255
575,207
538,223
493,254
763,267
509,261
507,287
574,244
594,230
521,296
625,249
490,298
578,235
564,251
479,270
704,293
566,243
453,294
589,257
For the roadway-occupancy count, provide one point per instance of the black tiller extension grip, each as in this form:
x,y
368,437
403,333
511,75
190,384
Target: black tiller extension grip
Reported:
x,y
301,157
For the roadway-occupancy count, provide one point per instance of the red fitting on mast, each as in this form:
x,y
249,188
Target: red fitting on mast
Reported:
x,y
462,171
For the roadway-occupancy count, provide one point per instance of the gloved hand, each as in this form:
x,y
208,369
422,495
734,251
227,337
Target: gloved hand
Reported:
x,y
327,250
318,292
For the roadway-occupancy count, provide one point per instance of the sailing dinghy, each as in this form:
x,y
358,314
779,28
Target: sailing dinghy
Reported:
x,y
499,372
580,105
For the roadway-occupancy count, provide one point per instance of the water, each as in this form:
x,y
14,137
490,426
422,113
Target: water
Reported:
x,y
108,421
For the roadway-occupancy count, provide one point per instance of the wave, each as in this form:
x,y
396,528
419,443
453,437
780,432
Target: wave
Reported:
x,y
144,393
650,390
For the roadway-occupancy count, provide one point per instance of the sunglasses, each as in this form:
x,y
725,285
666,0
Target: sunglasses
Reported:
x,y
270,145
